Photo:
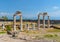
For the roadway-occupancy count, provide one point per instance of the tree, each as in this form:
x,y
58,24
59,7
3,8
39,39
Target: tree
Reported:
x,y
5,18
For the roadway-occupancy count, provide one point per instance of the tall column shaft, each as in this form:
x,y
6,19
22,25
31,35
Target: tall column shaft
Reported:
x,y
38,21
14,23
43,21
48,22
21,22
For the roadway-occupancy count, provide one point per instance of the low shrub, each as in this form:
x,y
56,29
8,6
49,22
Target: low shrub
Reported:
x,y
55,35
2,32
48,35
53,30
8,28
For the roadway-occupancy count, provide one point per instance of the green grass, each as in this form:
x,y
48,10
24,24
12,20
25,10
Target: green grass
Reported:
x,y
2,32
50,35
53,30
31,32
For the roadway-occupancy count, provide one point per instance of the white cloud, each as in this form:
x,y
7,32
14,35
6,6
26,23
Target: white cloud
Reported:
x,y
55,7
9,15
55,13
5,14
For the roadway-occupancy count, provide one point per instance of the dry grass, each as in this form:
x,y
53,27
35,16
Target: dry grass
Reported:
x,y
43,33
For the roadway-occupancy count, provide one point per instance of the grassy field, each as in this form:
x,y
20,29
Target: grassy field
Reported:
x,y
2,32
50,34
43,33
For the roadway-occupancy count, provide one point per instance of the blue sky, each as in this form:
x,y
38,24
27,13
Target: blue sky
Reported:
x,y
30,8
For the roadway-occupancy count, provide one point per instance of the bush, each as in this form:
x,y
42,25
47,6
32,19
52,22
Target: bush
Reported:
x,y
8,28
2,32
48,35
55,35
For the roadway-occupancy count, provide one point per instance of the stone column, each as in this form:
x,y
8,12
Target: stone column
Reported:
x,y
14,23
21,22
33,26
48,22
38,21
27,26
3,26
43,21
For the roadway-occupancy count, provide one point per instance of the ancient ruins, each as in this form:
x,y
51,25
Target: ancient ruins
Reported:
x,y
33,25
14,17
43,14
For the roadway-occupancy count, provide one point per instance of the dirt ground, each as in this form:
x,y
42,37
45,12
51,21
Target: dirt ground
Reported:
x,y
27,36
7,38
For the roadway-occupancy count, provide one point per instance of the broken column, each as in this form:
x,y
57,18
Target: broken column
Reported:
x,y
28,26
25,26
3,26
33,26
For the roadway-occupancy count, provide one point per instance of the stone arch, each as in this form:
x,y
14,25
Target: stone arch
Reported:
x,y
14,18
43,14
